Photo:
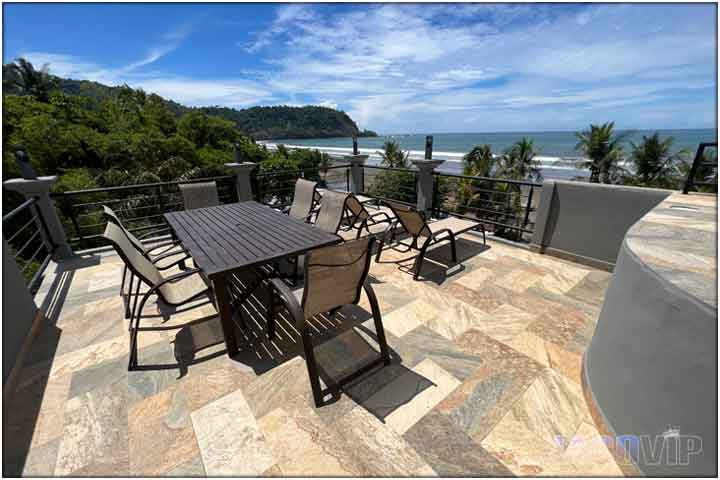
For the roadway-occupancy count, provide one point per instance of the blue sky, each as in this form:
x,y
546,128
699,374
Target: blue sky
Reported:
x,y
396,67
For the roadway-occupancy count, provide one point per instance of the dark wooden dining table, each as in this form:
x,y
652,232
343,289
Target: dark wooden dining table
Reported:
x,y
231,238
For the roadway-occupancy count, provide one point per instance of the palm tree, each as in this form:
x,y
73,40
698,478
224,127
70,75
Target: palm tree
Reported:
x,y
23,76
603,150
519,163
478,162
653,161
393,156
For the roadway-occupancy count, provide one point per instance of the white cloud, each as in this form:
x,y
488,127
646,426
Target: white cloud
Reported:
x,y
405,67
236,93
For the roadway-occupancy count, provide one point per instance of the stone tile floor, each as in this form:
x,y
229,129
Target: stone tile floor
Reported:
x,y
485,380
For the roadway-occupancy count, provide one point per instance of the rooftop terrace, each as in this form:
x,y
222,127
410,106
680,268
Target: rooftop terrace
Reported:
x,y
485,379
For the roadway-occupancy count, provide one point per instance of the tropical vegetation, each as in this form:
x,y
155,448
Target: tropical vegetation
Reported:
x,y
392,184
603,152
122,137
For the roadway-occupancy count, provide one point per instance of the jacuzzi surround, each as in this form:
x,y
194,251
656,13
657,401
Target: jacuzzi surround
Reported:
x,y
652,361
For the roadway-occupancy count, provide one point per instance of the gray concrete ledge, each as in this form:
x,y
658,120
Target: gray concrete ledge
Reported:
x,y
651,367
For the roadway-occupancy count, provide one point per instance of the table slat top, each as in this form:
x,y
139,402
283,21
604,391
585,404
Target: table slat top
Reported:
x,y
239,235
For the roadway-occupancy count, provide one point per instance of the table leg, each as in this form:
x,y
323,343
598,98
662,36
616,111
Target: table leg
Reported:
x,y
225,309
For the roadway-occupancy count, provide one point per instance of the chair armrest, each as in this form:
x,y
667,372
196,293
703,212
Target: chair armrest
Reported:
x,y
387,218
152,232
290,302
169,243
444,230
178,276
170,255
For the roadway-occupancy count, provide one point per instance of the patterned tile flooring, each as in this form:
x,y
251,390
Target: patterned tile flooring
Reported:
x,y
485,380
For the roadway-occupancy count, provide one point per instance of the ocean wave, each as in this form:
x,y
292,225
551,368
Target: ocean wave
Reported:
x,y
546,162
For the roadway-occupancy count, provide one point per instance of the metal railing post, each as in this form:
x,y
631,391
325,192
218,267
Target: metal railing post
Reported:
x,y
424,183
528,206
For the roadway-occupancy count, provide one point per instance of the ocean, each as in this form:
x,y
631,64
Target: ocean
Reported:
x,y
556,150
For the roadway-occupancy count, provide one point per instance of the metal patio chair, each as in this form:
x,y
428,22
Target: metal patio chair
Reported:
x,y
415,224
175,290
305,198
334,276
332,210
329,218
360,219
172,255
199,195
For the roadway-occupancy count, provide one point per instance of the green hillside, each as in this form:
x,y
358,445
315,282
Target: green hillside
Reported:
x,y
261,123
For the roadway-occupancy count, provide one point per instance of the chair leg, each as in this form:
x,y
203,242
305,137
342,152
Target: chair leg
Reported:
x,y
453,248
380,246
272,314
420,258
122,282
311,366
135,302
127,297
379,329
137,313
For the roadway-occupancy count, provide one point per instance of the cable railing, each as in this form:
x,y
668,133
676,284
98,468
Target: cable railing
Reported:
x,y
27,236
506,207
277,187
141,207
385,183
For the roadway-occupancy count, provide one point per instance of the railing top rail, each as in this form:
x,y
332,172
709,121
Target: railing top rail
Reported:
x,y
139,186
18,209
490,179
378,167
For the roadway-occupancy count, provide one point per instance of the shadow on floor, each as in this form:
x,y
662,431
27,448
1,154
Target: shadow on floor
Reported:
x,y
343,342
438,266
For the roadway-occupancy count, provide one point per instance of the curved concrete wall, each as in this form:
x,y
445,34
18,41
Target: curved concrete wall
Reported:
x,y
586,222
652,367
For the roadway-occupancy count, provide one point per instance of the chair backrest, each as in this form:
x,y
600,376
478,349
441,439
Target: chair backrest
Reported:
x,y
334,275
332,210
134,260
112,217
359,212
303,199
199,195
410,219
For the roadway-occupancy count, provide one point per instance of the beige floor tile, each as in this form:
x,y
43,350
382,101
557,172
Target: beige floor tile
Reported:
x,y
230,441
505,322
403,418
552,408
518,280
161,435
524,453
378,449
532,346
589,453
454,320
562,281
304,446
109,278
476,279
402,320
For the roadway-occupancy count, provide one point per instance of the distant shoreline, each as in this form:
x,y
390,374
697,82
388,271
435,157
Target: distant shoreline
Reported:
x,y
555,149
551,167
